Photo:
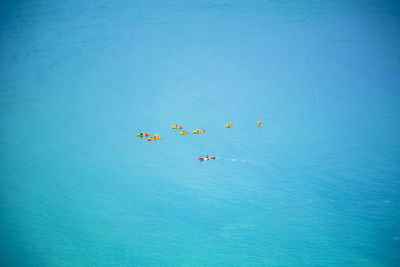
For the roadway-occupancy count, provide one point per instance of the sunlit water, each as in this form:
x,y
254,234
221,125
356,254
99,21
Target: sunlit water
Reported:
x,y
316,185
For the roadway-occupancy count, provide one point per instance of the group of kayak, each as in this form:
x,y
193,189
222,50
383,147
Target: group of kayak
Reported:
x,y
195,132
186,132
157,137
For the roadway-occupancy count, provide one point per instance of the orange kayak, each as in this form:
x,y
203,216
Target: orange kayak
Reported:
x,y
154,138
199,131
184,133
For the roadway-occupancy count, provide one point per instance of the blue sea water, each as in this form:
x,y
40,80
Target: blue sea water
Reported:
x,y
317,185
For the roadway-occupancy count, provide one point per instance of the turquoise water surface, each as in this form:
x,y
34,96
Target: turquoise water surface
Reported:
x,y
317,185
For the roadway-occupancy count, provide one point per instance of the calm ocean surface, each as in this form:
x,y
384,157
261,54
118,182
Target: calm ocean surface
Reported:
x,y
317,185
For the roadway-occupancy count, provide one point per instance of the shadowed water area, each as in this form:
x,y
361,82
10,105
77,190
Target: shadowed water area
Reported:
x,y
317,185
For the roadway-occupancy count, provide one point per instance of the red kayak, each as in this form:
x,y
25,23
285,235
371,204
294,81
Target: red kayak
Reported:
x,y
207,158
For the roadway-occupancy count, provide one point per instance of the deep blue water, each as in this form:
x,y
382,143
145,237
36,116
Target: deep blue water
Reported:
x,y
317,185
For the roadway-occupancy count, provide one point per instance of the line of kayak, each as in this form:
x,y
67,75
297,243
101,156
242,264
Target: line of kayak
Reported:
x,y
194,132
155,137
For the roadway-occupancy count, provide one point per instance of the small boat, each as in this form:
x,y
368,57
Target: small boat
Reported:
x,y
199,131
177,127
229,125
143,135
201,159
259,123
184,133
